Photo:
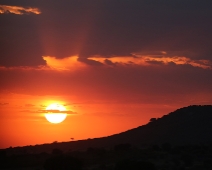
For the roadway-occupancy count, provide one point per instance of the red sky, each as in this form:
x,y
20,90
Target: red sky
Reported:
x,y
112,64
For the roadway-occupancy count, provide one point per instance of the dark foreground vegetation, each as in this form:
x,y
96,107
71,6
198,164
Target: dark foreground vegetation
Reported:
x,y
120,157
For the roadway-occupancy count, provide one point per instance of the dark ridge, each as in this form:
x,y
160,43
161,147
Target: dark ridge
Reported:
x,y
188,125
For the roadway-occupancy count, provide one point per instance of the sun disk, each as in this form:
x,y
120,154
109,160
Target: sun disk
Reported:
x,y
55,113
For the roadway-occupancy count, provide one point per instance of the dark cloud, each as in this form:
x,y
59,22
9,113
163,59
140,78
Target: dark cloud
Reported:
x,y
108,62
3,104
89,62
104,27
155,62
57,111
49,111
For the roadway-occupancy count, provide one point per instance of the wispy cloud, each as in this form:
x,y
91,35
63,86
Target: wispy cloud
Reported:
x,y
57,111
49,111
150,59
18,10
3,104
24,68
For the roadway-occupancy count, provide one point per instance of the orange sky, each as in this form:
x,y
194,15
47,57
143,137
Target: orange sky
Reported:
x,y
23,124
102,100
112,64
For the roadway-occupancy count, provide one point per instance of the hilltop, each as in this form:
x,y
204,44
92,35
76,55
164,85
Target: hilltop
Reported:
x,y
188,125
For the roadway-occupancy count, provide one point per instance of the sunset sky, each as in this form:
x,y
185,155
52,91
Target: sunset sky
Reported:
x,y
113,64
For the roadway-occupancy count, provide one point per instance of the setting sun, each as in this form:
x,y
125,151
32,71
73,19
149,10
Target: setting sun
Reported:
x,y
55,113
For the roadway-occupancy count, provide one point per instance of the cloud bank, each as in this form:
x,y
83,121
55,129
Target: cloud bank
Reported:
x,y
18,10
74,63
148,60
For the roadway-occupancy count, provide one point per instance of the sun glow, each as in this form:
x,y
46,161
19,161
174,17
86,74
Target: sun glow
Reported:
x,y
55,113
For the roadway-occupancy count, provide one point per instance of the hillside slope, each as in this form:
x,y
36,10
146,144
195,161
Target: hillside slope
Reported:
x,y
189,125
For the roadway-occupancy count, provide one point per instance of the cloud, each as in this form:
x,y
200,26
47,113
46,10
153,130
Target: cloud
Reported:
x,y
57,111
52,63
90,62
3,104
74,63
68,63
24,68
152,58
18,10
49,111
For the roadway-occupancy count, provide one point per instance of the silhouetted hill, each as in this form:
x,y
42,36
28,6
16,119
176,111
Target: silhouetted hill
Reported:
x,y
188,125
